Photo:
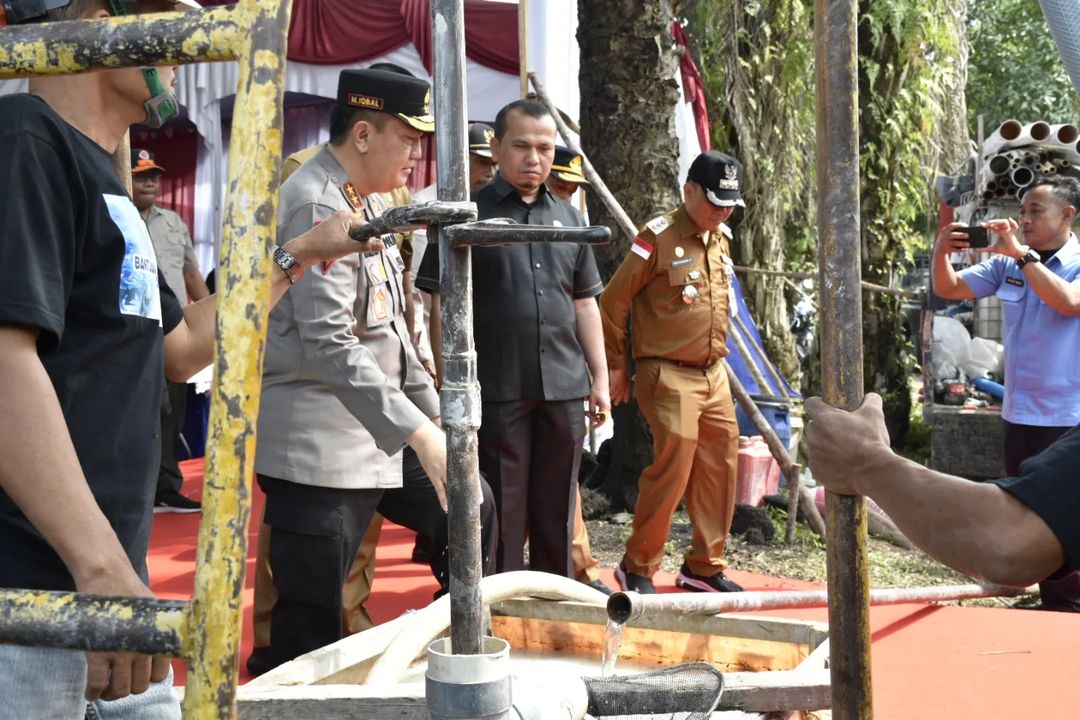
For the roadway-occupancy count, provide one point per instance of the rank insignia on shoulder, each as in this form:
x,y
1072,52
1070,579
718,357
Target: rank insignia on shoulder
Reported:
x,y
352,196
659,224
642,248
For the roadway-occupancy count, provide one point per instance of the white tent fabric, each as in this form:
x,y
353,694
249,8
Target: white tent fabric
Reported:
x,y
202,90
553,51
205,89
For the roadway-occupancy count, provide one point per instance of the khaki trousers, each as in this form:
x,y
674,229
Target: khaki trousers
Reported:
x,y
696,445
585,565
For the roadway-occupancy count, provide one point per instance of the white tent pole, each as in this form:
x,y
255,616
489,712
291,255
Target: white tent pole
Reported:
x,y
523,45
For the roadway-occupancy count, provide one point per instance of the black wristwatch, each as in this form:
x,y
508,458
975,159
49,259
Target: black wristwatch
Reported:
x,y
289,264
1027,257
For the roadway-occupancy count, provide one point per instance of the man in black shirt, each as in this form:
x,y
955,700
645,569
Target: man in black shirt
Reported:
x,y
539,347
1013,531
87,326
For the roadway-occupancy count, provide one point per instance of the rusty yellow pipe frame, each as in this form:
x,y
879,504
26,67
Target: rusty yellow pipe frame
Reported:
x,y
176,38
77,621
213,638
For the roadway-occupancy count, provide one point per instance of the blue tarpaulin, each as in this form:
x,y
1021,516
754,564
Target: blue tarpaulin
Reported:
x,y
740,365
772,401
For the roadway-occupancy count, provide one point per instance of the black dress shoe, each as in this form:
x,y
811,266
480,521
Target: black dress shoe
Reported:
x,y
631,581
259,661
600,585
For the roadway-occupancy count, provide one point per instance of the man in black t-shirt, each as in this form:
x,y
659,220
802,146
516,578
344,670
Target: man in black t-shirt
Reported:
x,y
539,347
1013,531
87,326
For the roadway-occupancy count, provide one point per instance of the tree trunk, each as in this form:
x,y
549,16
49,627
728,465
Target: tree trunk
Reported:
x,y
628,96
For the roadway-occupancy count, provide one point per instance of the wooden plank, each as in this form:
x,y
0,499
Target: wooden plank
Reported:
x,y
332,702
749,627
648,647
777,691
768,692
751,643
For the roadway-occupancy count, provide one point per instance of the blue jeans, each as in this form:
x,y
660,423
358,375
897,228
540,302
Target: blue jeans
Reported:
x,y
49,684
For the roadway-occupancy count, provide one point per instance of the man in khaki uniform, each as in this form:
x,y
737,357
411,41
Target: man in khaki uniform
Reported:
x,y
676,284
343,392
176,260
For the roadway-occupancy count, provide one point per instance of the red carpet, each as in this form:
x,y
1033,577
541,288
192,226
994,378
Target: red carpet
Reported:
x,y
929,662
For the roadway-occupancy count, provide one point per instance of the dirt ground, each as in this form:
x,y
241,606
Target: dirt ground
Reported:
x,y
890,566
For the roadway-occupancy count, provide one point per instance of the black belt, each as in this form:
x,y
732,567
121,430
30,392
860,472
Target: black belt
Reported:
x,y
679,363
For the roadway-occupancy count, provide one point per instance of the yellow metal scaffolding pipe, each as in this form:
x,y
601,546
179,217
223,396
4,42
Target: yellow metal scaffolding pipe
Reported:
x,y
249,232
176,38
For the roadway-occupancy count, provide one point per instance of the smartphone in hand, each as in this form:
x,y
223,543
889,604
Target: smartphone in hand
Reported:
x,y
978,237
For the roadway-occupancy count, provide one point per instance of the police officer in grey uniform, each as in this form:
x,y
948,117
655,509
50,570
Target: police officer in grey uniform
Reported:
x,y
343,391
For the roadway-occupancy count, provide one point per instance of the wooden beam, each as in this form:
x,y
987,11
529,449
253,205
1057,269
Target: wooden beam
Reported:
x,y
643,650
747,692
749,627
333,702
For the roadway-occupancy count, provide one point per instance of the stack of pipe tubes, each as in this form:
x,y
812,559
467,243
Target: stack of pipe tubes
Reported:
x,y
1016,156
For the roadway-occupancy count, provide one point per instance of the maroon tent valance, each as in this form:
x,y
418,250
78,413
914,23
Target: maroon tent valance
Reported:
x,y
341,32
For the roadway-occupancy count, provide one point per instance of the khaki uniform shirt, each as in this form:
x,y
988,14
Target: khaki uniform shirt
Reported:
x,y
676,283
342,388
172,245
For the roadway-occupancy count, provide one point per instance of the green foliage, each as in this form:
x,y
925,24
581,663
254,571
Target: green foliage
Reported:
x,y
1014,69
757,59
908,50
916,445
803,534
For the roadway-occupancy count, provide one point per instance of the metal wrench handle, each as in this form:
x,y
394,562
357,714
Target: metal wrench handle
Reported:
x,y
408,217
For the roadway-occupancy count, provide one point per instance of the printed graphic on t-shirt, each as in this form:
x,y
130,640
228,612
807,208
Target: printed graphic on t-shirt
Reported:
x,y
139,293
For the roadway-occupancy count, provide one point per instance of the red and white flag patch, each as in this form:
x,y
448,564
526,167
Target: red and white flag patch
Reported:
x,y
642,248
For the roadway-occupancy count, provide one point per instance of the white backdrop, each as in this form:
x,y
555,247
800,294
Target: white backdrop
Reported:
x,y
205,88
